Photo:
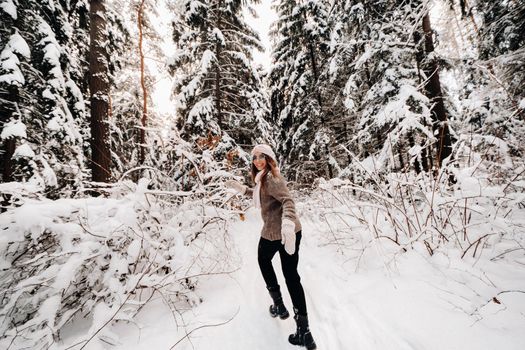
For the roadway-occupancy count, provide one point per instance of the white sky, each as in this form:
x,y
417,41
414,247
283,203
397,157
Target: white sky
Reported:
x,y
262,24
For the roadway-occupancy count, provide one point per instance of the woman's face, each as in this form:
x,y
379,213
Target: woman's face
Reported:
x,y
259,160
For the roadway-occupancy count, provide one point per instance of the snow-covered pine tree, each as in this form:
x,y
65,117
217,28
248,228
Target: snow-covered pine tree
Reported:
x,y
220,98
373,53
345,22
129,95
299,104
502,54
42,108
485,105
429,68
503,36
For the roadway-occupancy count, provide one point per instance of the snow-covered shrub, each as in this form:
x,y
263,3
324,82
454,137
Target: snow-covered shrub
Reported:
x,y
102,259
476,204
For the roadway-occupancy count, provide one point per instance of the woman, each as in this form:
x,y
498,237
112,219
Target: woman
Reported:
x,y
281,233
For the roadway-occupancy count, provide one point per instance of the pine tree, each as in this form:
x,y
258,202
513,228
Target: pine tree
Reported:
x,y
377,85
430,67
502,51
299,106
346,42
221,103
503,36
41,89
131,84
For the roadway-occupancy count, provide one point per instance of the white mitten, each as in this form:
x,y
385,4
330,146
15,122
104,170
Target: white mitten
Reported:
x,y
236,186
288,235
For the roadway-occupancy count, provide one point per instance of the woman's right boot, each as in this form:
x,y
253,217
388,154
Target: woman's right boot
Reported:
x,y
277,308
302,336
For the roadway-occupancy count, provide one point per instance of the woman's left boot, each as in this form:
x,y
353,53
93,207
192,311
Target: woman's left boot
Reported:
x,y
277,308
302,336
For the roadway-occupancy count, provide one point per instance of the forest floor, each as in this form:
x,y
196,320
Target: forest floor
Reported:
x,y
412,302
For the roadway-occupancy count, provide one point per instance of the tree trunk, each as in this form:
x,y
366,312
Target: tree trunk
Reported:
x,y
315,71
6,168
411,143
316,77
218,96
8,145
144,90
8,150
434,93
99,90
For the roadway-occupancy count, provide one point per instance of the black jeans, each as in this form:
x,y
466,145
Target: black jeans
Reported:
x,y
266,252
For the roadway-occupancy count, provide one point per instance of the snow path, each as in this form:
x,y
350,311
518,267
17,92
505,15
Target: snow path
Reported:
x,y
347,310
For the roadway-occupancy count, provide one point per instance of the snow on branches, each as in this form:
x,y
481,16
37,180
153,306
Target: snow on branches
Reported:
x,y
104,258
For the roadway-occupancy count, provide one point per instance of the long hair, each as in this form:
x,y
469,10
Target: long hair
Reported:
x,y
271,166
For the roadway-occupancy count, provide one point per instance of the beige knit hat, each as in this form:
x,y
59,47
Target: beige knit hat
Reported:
x,y
264,149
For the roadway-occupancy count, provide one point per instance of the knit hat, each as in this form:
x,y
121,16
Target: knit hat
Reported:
x,y
264,149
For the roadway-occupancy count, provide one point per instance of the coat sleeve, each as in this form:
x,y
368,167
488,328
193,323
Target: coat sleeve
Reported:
x,y
277,189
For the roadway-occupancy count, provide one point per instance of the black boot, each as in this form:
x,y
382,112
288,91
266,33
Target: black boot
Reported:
x,y
278,308
302,336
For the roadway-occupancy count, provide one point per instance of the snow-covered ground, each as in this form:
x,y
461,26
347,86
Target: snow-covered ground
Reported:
x,y
362,292
416,302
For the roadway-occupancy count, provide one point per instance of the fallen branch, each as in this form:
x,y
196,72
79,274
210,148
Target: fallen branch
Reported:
x,y
204,326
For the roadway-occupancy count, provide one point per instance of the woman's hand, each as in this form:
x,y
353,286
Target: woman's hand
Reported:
x,y
288,236
236,186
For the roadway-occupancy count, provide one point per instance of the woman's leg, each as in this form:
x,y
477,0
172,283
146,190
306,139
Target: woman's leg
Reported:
x,y
265,254
293,280
302,336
